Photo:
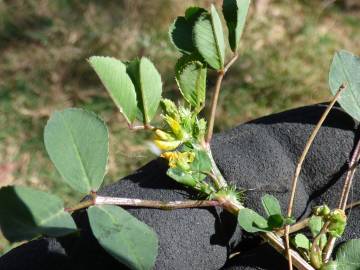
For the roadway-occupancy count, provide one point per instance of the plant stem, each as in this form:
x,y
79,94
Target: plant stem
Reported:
x,y
215,97
219,178
302,224
344,197
171,205
353,205
299,166
82,205
144,127
275,241
349,177
295,227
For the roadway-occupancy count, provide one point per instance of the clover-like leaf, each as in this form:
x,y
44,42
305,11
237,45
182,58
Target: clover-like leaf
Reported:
x,y
191,79
181,30
235,12
301,241
271,205
345,69
251,221
112,73
148,87
77,142
315,225
209,38
123,236
26,213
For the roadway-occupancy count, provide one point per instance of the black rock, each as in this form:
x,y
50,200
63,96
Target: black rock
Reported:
x,y
259,156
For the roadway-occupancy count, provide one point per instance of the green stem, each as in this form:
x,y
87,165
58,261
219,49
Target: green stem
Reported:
x,y
218,179
215,98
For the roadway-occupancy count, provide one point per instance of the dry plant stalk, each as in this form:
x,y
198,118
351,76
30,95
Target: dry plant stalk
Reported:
x,y
299,167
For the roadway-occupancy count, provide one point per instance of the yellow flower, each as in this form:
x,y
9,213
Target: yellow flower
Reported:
x,y
167,145
162,135
175,127
179,159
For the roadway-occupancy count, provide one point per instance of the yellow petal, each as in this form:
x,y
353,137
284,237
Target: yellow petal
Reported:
x,y
167,146
162,135
175,126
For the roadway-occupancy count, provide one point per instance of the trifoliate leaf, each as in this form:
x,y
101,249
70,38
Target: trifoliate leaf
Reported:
x,y
117,82
148,87
235,12
209,39
181,30
191,79
124,237
345,69
26,213
77,142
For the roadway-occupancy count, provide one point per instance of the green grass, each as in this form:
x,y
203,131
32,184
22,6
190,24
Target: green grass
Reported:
x,y
285,57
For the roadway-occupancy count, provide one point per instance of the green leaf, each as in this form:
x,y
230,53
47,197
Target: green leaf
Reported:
x,y
77,142
185,178
117,82
124,237
345,68
251,221
331,265
348,256
301,241
201,165
192,13
181,30
315,225
26,213
235,12
148,87
191,79
209,39
276,221
337,225
271,205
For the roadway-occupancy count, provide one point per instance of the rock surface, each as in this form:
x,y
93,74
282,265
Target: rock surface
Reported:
x,y
259,156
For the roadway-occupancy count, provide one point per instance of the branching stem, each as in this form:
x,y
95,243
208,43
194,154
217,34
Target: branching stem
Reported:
x,y
299,166
215,98
344,197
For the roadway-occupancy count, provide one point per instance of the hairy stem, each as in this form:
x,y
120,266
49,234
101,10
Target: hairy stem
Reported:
x,y
299,166
163,205
274,240
215,97
344,197
218,179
